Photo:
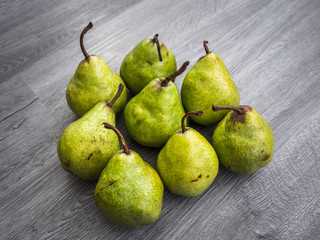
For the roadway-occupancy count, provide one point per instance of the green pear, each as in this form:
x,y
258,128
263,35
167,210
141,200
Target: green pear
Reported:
x,y
150,59
129,191
85,146
187,164
153,115
207,82
93,82
243,140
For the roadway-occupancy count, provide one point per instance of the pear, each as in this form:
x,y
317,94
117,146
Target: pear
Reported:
x,y
187,164
85,146
207,82
150,59
243,140
129,191
153,115
93,82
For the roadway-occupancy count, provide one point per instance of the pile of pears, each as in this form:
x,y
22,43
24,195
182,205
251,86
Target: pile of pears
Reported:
x,y
129,191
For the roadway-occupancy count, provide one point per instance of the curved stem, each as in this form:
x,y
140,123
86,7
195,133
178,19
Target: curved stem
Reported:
x,y
206,46
115,98
155,39
174,75
198,113
237,109
84,31
124,143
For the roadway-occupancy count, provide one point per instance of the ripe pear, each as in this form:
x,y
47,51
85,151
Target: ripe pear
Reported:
x,y
243,140
153,115
129,191
93,82
207,82
187,164
85,146
150,59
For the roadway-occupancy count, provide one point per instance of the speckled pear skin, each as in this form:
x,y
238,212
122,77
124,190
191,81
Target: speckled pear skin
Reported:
x,y
93,82
244,147
142,65
129,191
85,146
187,164
208,82
153,115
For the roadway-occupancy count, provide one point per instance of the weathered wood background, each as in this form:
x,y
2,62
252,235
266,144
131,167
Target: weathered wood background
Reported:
x,y
272,49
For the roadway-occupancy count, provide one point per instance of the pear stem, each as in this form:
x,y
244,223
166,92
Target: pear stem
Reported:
x,y
115,98
84,31
206,46
198,113
124,143
174,75
155,39
238,110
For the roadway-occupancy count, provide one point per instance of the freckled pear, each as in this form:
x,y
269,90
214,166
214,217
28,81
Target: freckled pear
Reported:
x,y
129,191
187,164
85,146
150,59
153,115
243,140
208,82
93,82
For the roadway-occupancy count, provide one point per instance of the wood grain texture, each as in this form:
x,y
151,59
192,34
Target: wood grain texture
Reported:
x,y
272,49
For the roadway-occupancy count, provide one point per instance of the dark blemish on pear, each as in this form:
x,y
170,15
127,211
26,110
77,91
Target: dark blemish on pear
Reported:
x,y
266,157
89,156
84,31
164,82
200,176
208,176
194,180
149,62
108,185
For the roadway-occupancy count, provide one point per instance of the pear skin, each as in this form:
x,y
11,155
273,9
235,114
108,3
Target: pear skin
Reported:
x,y
243,140
187,164
149,60
93,82
129,191
208,82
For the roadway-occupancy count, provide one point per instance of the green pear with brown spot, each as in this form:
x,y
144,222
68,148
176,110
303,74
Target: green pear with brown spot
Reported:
x,y
207,82
85,146
129,191
93,82
153,116
149,60
187,164
243,140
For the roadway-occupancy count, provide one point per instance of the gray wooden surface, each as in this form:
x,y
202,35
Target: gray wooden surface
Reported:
x,y
272,49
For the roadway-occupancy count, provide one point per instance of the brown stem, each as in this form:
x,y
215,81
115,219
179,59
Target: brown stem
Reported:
x,y
84,31
124,143
174,75
155,39
198,113
237,109
206,46
115,98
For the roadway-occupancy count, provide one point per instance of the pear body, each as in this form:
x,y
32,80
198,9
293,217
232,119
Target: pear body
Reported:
x,y
129,191
85,146
209,82
153,115
243,143
187,164
93,82
141,65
